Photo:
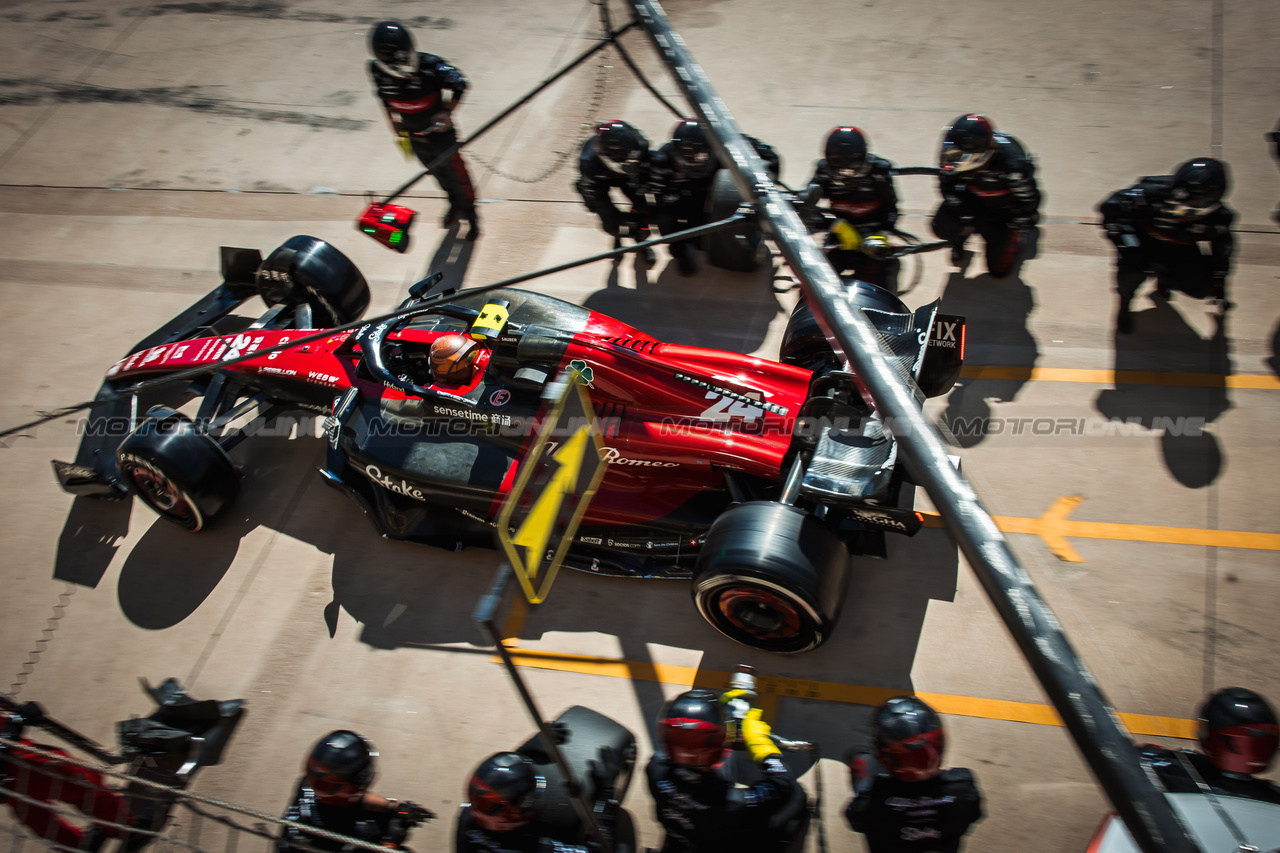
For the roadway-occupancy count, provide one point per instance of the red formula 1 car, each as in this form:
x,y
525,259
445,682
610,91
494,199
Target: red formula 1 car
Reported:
x,y
753,478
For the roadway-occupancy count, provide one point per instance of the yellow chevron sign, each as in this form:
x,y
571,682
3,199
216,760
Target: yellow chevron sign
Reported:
x,y
551,493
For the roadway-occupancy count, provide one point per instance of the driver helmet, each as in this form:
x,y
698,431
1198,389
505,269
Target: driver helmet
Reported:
x,y
691,151
692,729
846,153
909,738
506,792
452,357
967,144
621,147
393,50
1238,730
340,767
1198,188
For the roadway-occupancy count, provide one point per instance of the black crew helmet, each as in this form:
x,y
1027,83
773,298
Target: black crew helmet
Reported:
x,y
691,150
341,767
846,153
506,792
1198,188
967,144
692,730
909,738
621,147
1238,730
392,47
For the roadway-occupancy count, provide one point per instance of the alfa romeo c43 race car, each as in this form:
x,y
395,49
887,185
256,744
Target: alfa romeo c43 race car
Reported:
x,y
752,478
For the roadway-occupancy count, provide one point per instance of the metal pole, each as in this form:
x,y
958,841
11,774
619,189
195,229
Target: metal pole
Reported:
x,y
485,616
1080,702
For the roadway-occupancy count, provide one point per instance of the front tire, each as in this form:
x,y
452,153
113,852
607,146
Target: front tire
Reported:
x,y
178,471
772,577
309,270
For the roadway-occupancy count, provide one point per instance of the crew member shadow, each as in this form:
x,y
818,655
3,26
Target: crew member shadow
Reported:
x,y
713,308
1163,341
996,311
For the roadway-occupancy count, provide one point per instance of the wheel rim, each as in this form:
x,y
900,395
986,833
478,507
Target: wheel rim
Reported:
x,y
760,613
158,491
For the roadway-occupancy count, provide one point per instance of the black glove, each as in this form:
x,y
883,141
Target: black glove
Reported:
x,y
413,814
1124,236
1025,220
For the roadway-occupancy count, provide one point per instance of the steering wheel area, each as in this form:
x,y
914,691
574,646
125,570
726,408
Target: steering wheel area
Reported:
x,y
389,364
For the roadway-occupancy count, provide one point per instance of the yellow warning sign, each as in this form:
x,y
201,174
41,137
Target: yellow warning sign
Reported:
x,y
557,480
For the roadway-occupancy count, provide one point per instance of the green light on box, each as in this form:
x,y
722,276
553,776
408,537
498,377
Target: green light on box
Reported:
x,y
371,230
397,237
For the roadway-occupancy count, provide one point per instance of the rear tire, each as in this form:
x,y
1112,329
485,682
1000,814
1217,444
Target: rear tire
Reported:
x,y
772,577
742,249
178,471
309,270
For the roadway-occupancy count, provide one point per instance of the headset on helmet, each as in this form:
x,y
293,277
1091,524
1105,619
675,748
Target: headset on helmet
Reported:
x,y
1238,730
967,144
621,147
691,150
909,738
846,153
392,48
506,792
1198,188
691,729
341,767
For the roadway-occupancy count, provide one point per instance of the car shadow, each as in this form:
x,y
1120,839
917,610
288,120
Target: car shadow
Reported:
x,y
452,258
1164,341
90,538
996,311
734,309
1273,361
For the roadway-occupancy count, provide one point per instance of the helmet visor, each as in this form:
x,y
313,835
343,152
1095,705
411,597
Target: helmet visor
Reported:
x,y
915,758
1243,749
397,62
627,163
693,743
332,789
845,167
1182,210
496,813
696,162
956,159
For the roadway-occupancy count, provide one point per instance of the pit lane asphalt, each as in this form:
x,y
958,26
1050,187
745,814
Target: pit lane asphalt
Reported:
x,y
135,141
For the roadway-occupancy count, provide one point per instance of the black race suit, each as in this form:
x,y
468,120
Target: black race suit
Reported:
x,y
707,812
1151,243
679,200
916,817
471,838
1176,780
416,102
595,180
352,820
870,204
999,201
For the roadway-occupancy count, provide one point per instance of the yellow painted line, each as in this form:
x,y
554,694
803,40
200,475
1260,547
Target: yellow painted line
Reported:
x,y
1054,527
772,689
1121,377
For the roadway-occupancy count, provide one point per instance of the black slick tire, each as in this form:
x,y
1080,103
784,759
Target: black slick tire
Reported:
x,y
177,470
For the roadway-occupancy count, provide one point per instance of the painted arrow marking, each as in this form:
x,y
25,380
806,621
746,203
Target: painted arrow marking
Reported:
x,y
1055,528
